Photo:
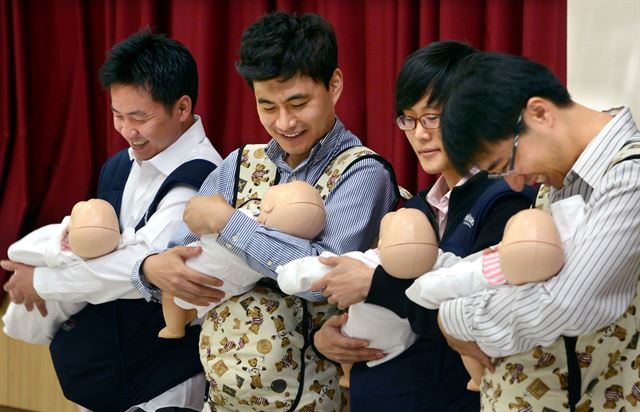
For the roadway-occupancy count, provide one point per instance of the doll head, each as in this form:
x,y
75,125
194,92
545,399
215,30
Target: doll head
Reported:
x,y
295,208
93,229
531,249
408,246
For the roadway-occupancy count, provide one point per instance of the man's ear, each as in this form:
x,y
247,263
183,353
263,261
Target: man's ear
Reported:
x,y
541,111
335,85
267,207
183,106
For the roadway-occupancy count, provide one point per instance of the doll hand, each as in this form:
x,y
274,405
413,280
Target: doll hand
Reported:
x,y
207,214
20,286
347,283
466,348
330,342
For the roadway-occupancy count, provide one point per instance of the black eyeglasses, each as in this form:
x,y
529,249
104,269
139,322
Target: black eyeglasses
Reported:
x,y
428,121
514,148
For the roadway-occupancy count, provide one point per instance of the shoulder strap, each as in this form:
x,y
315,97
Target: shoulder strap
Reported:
x,y
113,178
347,158
256,172
192,173
630,150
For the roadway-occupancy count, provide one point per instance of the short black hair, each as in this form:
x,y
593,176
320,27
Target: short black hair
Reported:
x,y
489,92
282,45
161,65
428,70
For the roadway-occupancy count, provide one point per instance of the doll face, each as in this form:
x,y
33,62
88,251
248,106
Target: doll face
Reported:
x,y
93,229
407,246
294,208
531,249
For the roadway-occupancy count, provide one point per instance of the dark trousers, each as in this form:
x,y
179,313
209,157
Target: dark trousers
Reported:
x,y
428,377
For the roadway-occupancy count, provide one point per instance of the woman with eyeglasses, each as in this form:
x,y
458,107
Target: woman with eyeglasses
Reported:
x,y
468,214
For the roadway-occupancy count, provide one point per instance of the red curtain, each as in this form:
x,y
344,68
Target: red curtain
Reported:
x,y
55,122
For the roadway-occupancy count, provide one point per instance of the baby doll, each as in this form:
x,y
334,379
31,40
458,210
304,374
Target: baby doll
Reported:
x,y
90,231
294,208
407,248
531,250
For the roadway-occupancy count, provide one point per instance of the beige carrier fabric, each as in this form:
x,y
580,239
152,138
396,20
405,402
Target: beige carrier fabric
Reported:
x,y
609,363
253,346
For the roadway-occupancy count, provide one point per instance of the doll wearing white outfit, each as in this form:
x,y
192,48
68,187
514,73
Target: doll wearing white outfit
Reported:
x,y
407,248
295,208
531,250
92,230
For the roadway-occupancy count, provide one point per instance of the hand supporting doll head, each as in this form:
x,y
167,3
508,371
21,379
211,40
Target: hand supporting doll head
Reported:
x,y
408,246
93,229
531,249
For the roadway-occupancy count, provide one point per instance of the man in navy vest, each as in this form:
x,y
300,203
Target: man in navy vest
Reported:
x,y
108,356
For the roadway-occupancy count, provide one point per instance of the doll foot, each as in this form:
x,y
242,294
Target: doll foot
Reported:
x,y
472,386
167,333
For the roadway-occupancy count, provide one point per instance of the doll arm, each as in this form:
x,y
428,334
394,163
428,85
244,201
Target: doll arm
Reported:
x,y
462,279
298,275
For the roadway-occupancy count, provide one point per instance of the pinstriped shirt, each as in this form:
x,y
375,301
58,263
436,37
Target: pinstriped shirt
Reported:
x,y
602,262
354,208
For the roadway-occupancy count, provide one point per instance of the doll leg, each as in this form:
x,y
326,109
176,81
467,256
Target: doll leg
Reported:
x,y
31,327
175,318
476,370
346,370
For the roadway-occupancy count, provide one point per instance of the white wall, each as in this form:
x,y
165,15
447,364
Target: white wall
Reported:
x,y
603,53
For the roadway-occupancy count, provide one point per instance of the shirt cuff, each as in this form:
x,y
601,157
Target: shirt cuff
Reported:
x,y
148,291
238,232
452,315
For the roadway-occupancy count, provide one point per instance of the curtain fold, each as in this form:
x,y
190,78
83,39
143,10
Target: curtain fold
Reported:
x,y
55,121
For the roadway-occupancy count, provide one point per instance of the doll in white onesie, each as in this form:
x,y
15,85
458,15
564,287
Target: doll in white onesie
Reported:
x,y
92,230
407,248
531,250
295,208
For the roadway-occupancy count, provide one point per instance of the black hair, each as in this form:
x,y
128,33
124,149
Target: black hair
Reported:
x,y
163,66
489,92
282,45
429,70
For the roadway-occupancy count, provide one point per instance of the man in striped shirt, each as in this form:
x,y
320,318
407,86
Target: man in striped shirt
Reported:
x,y
513,117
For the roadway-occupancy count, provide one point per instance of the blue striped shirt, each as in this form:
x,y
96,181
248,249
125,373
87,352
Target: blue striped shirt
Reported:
x,y
354,208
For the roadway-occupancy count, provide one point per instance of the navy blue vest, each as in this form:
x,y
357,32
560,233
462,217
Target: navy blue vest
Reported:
x,y
108,357
462,237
